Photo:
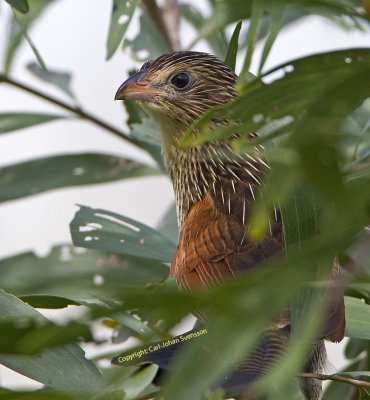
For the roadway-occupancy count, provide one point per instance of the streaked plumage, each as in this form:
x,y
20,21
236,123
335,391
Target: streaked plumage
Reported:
x,y
214,188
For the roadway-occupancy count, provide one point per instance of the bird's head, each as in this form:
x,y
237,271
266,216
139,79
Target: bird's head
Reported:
x,y
176,88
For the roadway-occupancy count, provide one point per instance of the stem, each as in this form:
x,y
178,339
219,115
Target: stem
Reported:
x,y
166,21
337,378
75,110
171,19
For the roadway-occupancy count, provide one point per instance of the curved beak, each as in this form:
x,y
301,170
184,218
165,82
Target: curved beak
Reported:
x,y
136,88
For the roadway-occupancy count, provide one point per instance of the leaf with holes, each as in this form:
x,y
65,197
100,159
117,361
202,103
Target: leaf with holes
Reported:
x,y
122,13
101,229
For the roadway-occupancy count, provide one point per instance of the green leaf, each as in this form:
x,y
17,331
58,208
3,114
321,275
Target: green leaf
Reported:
x,y
258,8
137,383
73,273
168,225
225,12
16,31
59,79
148,136
232,50
215,38
37,176
364,393
13,121
101,229
276,12
20,5
337,390
149,38
122,13
28,338
302,215
357,318
43,394
355,347
32,45
47,301
355,374
135,113
229,345
64,369
305,81
134,325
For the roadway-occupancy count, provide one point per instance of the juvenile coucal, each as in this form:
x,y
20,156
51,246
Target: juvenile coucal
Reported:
x,y
214,188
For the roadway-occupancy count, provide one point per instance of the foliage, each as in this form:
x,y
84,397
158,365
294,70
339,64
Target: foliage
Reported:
x,y
314,121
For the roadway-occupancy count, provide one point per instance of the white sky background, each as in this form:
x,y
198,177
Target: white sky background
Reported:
x,y
71,36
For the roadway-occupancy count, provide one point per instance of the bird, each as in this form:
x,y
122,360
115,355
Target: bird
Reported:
x,y
215,187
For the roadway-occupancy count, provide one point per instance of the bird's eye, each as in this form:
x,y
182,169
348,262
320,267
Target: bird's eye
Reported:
x,y
181,80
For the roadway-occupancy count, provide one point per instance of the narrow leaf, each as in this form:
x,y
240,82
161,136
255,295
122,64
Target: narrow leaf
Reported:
x,y
258,6
122,13
13,121
59,79
37,176
20,5
15,33
31,44
232,50
276,11
50,302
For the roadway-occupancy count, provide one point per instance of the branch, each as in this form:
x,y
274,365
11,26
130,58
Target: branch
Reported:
x,y
166,20
171,18
337,378
76,110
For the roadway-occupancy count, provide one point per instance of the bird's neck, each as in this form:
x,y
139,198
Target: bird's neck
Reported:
x,y
196,170
182,163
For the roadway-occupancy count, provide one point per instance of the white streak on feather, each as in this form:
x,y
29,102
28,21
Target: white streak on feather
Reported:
x,y
233,173
243,211
251,190
233,185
